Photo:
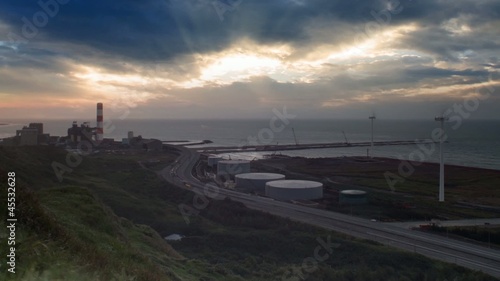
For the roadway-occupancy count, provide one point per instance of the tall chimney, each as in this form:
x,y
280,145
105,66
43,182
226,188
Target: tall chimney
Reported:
x,y
99,130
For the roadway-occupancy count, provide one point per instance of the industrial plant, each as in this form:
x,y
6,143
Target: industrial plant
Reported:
x,y
32,134
90,135
233,174
78,136
240,176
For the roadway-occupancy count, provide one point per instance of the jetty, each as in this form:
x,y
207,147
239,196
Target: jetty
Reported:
x,y
281,147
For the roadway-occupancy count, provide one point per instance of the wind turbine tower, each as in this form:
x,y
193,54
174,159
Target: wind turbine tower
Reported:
x,y
441,119
372,118
295,137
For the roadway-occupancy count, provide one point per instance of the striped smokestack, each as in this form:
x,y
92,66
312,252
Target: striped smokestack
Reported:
x,y
99,130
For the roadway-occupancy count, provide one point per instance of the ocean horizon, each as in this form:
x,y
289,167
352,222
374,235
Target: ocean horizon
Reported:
x,y
475,143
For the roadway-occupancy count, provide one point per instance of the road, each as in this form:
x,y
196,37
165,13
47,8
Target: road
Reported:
x,y
433,246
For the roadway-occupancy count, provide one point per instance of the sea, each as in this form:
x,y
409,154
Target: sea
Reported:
x,y
473,143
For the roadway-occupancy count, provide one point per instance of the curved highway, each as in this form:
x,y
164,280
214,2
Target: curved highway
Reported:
x,y
433,246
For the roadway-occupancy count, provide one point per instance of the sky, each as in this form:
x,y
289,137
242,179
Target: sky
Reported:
x,y
184,59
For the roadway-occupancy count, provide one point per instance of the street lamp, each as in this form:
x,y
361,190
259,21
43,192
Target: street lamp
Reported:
x,y
441,119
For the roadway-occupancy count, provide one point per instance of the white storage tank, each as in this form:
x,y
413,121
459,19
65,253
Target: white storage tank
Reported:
x,y
294,190
256,182
213,160
353,197
231,168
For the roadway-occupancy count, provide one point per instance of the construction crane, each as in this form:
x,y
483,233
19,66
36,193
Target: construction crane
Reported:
x,y
346,141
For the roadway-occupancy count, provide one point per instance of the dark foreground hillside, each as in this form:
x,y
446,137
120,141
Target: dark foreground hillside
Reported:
x,y
106,220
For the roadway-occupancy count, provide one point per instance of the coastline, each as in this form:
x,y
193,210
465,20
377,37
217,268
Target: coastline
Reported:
x,y
362,161
244,156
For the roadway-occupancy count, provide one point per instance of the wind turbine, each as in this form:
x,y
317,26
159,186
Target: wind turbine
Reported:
x,y
372,118
295,137
441,119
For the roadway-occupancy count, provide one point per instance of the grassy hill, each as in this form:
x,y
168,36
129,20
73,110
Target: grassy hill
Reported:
x,y
66,232
106,220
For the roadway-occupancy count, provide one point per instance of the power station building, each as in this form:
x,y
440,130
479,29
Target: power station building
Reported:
x,y
84,132
141,143
34,134
128,139
38,126
77,134
294,190
256,182
29,135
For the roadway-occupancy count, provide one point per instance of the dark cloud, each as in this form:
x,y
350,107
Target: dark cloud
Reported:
x,y
156,38
437,41
135,29
418,73
159,29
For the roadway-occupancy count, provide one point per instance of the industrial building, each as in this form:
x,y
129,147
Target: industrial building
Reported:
x,y
80,136
128,139
84,132
213,160
34,134
141,143
152,144
99,132
256,182
352,197
29,135
38,126
77,134
294,190
230,168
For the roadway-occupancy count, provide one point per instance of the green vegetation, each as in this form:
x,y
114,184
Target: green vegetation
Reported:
x,y
65,232
488,235
106,221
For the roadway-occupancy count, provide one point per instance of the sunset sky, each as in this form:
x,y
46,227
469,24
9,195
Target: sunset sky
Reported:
x,y
242,58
